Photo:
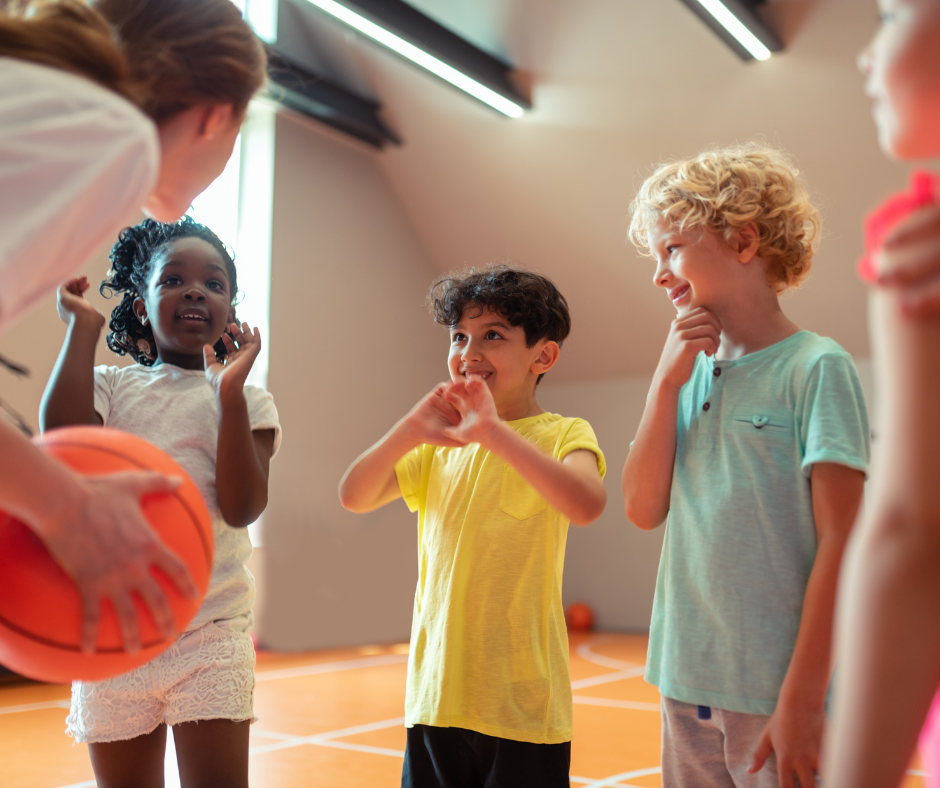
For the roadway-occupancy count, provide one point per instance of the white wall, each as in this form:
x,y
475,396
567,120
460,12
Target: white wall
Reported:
x,y
352,349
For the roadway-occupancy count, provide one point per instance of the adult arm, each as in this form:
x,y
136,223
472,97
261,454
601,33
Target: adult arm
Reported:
x,y
795,729
889,640
647,473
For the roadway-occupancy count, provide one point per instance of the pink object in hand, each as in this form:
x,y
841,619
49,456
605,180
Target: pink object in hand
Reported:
x,y
924,190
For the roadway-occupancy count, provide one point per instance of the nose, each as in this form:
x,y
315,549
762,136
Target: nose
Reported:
x,y
471,351
194,294
662,276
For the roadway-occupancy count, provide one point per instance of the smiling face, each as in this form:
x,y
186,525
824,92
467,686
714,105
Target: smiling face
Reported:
x,y
487,345
902,70
695,268
188,302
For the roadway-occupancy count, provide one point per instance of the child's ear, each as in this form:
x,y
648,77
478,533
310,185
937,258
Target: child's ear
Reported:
x,y
231,317
546,358
140,310
746,242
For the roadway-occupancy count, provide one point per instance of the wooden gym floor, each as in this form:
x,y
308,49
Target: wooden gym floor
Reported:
x,y
333,719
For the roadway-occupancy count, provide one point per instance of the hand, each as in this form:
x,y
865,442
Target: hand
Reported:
x,y
71,304
696,331
910,262
242,348
430,419
795,734
107,547
474,402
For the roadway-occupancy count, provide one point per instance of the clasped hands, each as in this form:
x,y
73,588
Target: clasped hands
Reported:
x,y
455,414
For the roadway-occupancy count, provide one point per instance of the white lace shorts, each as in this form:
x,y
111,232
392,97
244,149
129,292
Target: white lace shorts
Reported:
x,y
208,674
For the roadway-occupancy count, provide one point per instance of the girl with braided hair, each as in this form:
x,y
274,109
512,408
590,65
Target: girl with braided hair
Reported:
x,y
187,395
106,107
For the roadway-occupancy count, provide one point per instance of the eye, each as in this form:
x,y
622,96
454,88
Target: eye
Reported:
x,y
671,248
173,279
458,337
217,285
493,335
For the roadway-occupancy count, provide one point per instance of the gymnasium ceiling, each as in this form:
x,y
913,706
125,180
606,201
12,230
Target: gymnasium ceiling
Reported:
x,y
617,85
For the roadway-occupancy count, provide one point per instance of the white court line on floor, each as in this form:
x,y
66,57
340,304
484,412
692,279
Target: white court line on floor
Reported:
x,y
330,667
49,704
606,678
287,740
587,700
611,782
586,653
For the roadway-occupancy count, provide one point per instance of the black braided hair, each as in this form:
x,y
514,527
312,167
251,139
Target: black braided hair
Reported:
x,y
131,266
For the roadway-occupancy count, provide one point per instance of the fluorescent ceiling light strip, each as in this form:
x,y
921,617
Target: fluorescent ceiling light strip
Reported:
x,y
420,57
736,27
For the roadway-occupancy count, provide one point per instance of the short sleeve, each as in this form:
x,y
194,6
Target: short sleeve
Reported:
x,y
834,418
77,162
408,473
262,415
578,434
105,382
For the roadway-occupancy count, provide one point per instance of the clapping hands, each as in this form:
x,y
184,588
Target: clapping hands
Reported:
x,y
910,263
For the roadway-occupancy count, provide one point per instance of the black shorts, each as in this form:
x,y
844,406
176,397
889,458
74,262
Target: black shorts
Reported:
x,y
458,758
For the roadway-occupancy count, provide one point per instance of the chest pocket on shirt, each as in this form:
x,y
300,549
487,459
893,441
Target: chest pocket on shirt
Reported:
x,y
763,425
517,497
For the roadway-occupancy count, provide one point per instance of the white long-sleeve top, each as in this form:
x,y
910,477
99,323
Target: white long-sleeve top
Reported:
x,y
77,162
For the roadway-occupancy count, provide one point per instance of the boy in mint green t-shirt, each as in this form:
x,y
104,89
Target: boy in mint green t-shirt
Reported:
x,y
753,449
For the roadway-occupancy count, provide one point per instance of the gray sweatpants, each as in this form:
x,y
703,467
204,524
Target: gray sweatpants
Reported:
x,y
714,752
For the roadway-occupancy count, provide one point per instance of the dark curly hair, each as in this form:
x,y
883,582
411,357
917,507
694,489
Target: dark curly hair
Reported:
x,y
131,266
524,298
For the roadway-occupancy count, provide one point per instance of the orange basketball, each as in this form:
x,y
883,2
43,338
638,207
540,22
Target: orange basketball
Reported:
x,y
40,607
579,617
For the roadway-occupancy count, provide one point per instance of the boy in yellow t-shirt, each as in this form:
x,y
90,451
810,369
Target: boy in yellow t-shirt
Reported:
x,y
495,481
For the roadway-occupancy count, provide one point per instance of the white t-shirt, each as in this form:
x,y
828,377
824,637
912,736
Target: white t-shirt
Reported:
x,y
77,162
175,409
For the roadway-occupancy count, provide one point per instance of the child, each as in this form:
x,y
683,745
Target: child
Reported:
x,y
495,481
178,283
889,637
754,443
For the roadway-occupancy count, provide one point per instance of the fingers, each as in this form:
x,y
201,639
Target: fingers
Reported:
x,y
785,774
176,570
762,753
127,620
154,598
91,613
151,482
208,356
807,775
922,301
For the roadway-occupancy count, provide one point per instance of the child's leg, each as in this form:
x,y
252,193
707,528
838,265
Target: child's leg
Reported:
x,y
131,763
212,753
693,747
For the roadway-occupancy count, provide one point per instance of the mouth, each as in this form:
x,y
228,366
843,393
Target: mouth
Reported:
x,y
676,295
194,316
476,373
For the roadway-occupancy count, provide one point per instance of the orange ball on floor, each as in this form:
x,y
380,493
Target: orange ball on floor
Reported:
x,y
579,617
40,607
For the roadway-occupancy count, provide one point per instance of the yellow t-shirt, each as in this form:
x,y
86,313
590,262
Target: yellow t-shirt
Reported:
x,y
489,650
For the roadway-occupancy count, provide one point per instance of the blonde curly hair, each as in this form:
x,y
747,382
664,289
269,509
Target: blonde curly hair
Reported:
x,y
726,188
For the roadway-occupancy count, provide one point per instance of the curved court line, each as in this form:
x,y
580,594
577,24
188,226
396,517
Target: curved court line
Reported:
x,y
606,678
584,651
